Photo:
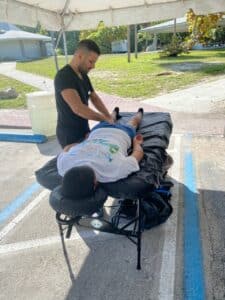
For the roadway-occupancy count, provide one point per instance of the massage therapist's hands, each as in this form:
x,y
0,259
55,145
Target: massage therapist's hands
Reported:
x,y
109,119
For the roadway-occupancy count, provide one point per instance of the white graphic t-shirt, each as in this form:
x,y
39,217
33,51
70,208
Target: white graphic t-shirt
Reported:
x,y
105,151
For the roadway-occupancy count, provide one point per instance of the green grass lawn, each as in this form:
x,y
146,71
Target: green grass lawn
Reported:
x,y
21,88
140,78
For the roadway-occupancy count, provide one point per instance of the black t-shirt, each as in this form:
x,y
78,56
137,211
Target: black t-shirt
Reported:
x,y
70,127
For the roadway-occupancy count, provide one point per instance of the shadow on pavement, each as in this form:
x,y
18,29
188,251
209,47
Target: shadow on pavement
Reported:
x,y
109,269
50,148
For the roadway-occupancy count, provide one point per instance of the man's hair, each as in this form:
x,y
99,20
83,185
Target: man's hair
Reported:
x,y
89,45
79,182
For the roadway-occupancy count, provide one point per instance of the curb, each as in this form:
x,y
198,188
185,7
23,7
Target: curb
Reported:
x,y
15,126
23,138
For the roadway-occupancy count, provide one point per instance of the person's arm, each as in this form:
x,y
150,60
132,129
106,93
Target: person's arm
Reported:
x,y
73,99
137,152
67,147
99,105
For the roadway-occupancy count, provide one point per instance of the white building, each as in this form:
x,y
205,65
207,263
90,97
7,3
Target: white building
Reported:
x,y
16,44
119,46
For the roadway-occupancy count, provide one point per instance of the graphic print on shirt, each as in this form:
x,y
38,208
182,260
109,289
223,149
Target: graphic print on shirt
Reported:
x,y
90,149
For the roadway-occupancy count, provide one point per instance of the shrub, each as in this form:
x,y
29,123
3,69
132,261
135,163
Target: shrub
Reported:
x,y
59,51
174,48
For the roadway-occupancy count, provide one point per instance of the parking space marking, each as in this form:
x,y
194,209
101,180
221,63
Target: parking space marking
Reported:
x,y
18,201
194,281
30,244
167,273
169,250
22,214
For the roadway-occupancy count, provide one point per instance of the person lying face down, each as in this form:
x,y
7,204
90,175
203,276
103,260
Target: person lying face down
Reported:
x,y
103,156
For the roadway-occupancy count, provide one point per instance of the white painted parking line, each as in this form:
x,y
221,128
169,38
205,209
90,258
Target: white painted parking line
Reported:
x,y
166,290
83,235
167,274
22,214
171,151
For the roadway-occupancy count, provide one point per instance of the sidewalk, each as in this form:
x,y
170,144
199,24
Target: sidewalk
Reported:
x,y
200,108
19,118
200,98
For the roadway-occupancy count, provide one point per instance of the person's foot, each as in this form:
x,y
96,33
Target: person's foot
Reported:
x,y
141,111
116,113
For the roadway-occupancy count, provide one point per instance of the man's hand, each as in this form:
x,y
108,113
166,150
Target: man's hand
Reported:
x,y
109,119
100,106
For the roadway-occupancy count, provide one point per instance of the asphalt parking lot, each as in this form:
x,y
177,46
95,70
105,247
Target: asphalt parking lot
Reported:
x,y
181,259
103,266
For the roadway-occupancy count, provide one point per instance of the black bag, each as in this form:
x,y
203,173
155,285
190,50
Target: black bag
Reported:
x,y
155,209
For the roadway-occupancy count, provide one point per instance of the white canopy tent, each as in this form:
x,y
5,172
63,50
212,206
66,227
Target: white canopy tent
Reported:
x,y
66,15
79,14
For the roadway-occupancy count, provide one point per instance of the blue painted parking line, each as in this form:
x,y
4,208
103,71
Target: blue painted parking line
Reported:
x,y
194,282
23,138
18,201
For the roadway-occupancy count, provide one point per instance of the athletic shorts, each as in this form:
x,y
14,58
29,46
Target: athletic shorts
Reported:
x,y
130,130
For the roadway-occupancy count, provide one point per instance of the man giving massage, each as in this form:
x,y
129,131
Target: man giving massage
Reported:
x,y
103,156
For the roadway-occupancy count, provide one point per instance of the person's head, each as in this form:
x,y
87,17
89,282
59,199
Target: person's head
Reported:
x,y
79,182
86,55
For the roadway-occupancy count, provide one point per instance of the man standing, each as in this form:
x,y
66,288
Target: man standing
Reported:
x,y
73,90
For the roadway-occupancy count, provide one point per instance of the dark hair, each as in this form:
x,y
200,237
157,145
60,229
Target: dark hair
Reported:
x,y
79,182
89,45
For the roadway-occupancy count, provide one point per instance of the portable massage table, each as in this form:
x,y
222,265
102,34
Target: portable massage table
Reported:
x,y
139,188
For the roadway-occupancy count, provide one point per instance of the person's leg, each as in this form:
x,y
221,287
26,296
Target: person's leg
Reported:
x,y
136,119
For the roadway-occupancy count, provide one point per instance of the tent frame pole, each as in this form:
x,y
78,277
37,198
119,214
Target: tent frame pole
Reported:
x,y
54,51
65,46
135,41
128,43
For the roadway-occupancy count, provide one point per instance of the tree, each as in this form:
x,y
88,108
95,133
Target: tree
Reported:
x,y
220,35
144,38
104,36
72,38
40,29
202,28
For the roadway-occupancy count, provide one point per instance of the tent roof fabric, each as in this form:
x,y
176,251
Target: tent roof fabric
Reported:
x,y
22,35
80,14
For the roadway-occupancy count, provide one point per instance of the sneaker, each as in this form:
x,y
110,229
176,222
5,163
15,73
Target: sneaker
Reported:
x,y
116,111
141,110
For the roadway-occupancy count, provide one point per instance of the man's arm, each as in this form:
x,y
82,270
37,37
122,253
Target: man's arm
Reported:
x,y
99,105
137,152
73,99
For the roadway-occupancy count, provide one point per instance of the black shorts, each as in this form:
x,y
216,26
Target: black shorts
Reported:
x,y
67,136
